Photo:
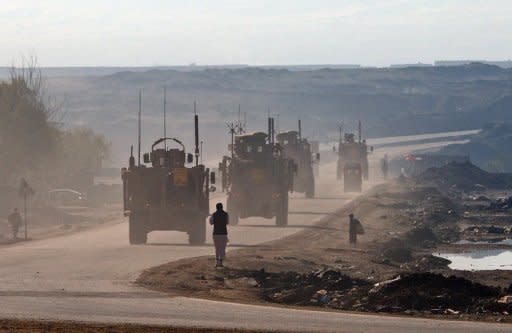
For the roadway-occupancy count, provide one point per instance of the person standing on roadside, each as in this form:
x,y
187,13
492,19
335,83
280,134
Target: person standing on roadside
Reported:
x,y
14,220
220,221
354,228
384,166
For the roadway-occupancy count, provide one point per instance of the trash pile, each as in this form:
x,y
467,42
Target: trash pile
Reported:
x,y
321,287
434,293
501,204
406,293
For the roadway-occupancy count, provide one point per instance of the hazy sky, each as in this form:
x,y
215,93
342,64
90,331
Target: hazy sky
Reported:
x,y
174,32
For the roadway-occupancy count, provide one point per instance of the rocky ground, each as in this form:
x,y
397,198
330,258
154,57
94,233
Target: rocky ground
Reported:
x,y
390,270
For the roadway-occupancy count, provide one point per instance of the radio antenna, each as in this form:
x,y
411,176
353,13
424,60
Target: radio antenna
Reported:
x,y
165,117
300,130
196,130
232,131
359,130
140,115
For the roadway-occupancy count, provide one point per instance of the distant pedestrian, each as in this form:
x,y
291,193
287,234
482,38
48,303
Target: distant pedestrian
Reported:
x,y
354,228
14,220
220,221
384,165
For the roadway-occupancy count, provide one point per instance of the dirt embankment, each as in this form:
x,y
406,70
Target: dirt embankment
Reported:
x,y
26,326
391,268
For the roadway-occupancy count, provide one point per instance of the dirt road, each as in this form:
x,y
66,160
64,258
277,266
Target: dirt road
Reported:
x,y
88,277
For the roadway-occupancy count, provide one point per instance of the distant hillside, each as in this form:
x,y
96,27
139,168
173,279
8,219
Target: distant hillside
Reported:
x,y
388,101
491,149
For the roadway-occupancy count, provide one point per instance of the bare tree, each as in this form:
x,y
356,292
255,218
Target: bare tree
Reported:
x,y
29,75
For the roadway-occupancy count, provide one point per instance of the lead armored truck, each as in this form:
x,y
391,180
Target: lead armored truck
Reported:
x,y
165,194
257,178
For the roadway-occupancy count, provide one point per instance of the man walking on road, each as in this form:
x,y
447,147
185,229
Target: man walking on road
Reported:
x,y
354,228
14,220
220,220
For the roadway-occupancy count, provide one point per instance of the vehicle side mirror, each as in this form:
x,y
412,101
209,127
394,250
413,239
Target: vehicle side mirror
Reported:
x,y
318,156
190,158
146,158
212,177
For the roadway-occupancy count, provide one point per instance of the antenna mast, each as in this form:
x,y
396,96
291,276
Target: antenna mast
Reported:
x,y
232,131
140,115
340,127
359,129
165,117
240,125
196,123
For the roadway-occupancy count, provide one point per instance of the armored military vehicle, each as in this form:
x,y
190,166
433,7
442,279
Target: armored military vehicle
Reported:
x,y
299,150
350,150
257,177
166,194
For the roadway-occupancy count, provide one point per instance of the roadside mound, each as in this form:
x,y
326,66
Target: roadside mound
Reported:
x,y
420,292
465,177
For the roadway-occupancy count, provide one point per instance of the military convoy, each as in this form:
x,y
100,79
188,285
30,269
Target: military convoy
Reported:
x,y
352,161
257,177
162,193
166,194
299,150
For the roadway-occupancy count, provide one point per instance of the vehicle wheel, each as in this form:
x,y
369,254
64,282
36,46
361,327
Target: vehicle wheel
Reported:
x,y
282,213
137,231
232,209
310,189
197,236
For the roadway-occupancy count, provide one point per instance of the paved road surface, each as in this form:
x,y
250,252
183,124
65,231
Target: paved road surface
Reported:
x,y
87,276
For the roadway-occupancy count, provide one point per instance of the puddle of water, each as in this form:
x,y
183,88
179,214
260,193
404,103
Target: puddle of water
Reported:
x,y
479,260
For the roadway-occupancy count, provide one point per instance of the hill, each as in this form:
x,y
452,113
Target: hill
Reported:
x,y
388,101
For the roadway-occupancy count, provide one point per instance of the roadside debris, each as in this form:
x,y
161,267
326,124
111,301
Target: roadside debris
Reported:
x,y
408,293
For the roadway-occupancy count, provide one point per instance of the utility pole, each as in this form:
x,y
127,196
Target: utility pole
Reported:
x,y
25,191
